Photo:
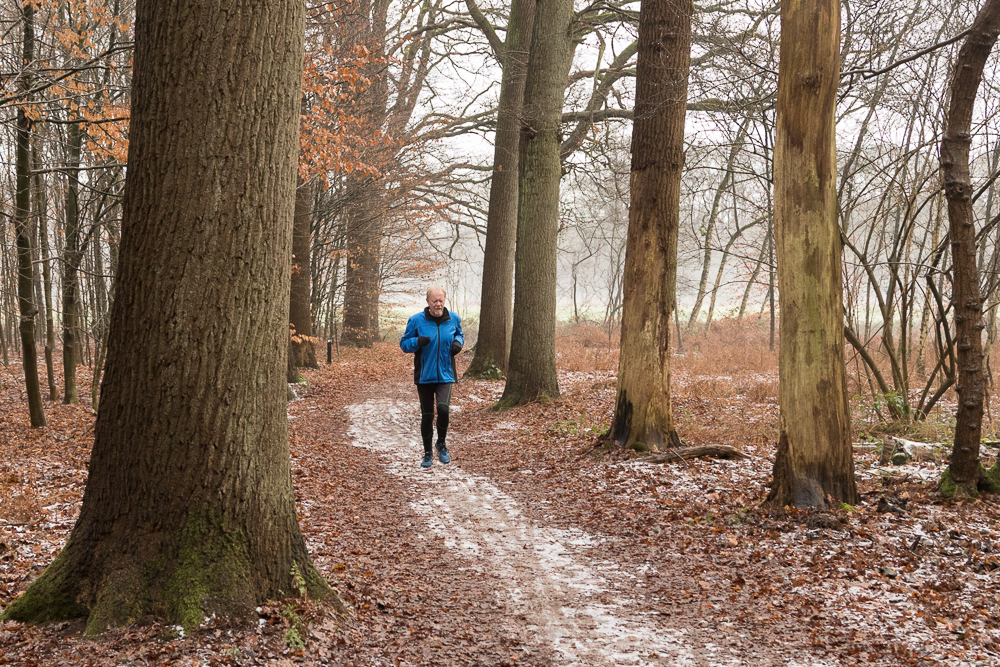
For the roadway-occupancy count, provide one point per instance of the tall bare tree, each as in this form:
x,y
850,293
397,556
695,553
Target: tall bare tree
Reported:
x,y
532,371
22,226
963,472
813,461
189,508
642,408
493,344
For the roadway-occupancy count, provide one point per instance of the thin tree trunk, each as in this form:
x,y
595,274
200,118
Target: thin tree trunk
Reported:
x,y
22,227
43,246
753,276
963,471
531,374
814,458
495,316
72,256
713,216
718,276
301,345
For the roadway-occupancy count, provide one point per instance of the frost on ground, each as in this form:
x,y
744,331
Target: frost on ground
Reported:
x,y
568,601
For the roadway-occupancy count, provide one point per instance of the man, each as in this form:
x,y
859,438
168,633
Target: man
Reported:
x,y
434,337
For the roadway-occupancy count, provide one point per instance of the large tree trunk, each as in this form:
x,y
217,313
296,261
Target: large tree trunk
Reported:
x,y
493,344
813,460
22,227
301,347
189,508
72,257
531,373
361,286
365,223
643,417
964,468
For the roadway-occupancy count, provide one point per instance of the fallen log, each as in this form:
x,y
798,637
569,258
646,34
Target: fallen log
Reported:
x,y
685,453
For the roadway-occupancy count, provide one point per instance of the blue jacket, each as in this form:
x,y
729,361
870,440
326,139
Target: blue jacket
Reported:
x,y
433,363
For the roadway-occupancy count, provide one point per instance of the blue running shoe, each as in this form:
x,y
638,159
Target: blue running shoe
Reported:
x,y
443,454
428,460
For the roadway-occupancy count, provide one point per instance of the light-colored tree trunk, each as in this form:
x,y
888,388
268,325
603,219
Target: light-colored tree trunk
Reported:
x,y
41,214
643,417
814,458
531,373
189,509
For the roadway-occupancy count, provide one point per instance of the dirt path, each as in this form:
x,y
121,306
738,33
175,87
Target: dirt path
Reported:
x,y
571,604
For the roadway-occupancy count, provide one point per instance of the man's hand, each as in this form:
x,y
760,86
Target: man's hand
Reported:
x,y
456,347
423,340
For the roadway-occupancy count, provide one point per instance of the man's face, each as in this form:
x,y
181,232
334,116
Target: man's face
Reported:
x,y
435,301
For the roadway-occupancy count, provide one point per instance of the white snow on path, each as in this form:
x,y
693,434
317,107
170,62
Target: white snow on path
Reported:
x,y
542,573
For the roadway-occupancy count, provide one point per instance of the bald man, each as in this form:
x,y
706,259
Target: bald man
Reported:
x,y
434,337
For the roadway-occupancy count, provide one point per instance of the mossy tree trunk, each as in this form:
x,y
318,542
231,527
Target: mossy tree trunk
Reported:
x,y
189,508
301,348
964,469
493,343
814,458
642,409
531,373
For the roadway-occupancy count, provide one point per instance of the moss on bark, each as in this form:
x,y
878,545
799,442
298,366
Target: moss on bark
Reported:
x,y
989,479
48,599
951,489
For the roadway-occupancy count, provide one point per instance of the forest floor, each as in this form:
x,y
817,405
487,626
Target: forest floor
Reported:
x,y
536,547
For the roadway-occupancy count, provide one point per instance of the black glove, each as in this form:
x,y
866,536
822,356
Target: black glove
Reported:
x,y
456,347
423,340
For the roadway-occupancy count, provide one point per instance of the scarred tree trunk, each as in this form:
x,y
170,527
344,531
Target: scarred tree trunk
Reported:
x,y
643,418
301,347
22,211
813,460
531,373
493,344
964,469
189,508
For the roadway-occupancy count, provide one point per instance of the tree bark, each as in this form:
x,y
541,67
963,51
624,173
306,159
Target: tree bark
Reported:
x,y
365,223
189,508
642,409
22,227
301,347
814,458
964,467
531,374
361,286
72,257
41,215
495,317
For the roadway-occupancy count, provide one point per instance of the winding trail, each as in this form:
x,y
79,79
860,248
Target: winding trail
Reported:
x,y
571,604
